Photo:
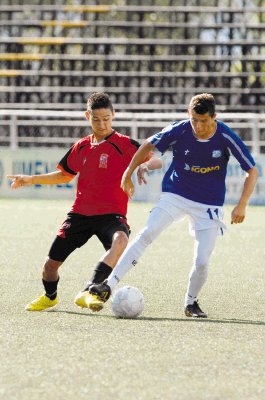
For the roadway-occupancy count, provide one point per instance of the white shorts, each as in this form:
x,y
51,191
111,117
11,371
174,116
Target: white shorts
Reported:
x,y
201,216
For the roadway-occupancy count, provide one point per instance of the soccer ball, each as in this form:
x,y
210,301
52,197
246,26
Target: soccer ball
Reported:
x,y
127,302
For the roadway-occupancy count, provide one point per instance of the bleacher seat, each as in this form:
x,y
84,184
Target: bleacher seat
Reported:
x,y
149,57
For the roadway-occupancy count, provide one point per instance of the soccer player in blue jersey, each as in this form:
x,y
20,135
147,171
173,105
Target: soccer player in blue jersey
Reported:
x,y
193,185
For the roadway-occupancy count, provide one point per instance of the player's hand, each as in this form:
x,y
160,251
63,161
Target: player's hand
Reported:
x,y
238,214
142,170
127,185
20,180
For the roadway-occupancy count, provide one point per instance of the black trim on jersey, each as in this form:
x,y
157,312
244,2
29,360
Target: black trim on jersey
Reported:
x,y
132,141
113,144
81,147
107,137
135,143
63,163
116,147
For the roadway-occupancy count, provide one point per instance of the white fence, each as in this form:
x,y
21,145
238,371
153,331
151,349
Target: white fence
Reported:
x,y
18,158
67,125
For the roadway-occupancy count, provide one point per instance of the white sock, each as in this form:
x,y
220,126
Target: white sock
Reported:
x,y
128,260
158,220
203,248
189,300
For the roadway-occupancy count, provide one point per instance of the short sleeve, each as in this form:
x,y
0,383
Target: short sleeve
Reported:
x,y
69,163
238,149
168,136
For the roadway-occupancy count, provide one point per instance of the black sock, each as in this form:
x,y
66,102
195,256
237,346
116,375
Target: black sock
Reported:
x,y
50,288
101,272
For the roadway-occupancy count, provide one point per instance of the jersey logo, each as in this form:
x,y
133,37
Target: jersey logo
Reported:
x,y
186,152
103,161
201,170
204,170
216,153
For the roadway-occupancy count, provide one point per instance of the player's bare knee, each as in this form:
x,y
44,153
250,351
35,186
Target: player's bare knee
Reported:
x,y
51,265
120,241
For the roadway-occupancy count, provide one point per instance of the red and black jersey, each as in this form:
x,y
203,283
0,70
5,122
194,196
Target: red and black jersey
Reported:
x,y
100,167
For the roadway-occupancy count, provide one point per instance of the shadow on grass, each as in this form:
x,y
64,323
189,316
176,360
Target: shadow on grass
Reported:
x,y
87,314
208,320
189,320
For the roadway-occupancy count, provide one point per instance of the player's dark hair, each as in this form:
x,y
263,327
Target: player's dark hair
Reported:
x,y
203,103
99,100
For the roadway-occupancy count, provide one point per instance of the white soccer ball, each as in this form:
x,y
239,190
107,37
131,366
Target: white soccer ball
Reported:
x,y
127,302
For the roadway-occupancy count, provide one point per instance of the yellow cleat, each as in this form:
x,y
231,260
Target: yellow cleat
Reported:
x,y
41,303
88,300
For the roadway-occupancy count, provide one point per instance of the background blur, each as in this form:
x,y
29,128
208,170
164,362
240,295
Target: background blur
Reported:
x,y
150,58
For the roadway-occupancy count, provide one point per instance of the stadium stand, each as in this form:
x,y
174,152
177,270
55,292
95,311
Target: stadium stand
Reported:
x,y
150,57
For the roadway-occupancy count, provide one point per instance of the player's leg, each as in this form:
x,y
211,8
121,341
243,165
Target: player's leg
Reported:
x,y
59,251
203,247
113,232
64,244
159,220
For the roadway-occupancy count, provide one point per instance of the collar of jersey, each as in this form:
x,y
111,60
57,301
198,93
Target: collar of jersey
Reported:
x,y
205,140
105,138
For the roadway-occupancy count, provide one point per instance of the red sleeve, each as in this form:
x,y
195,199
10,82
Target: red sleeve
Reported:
x,y
69,164
133,147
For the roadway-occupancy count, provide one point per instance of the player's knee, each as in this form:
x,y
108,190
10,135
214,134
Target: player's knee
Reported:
x,y
201,266
51,265
120,241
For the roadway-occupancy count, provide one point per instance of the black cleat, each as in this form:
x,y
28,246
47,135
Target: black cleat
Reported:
x,y
99,294
194,310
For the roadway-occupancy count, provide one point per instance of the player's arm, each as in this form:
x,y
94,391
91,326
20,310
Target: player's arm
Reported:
x,y
144,168
139,156
51,178
239,212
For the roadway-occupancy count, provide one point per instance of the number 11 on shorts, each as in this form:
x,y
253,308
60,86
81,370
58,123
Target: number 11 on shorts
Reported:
x,y
210,212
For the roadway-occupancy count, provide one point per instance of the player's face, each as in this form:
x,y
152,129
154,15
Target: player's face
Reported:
x,y
101,122
203,125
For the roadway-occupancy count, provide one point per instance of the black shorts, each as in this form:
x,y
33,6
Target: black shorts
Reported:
x,y
77,229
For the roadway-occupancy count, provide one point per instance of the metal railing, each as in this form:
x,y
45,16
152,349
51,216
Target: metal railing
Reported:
x,y
46,128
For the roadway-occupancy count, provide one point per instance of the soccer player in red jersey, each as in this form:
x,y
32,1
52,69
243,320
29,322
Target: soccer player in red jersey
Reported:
x,y
100,206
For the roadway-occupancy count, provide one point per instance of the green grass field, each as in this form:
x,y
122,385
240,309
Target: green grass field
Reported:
x,y
69,353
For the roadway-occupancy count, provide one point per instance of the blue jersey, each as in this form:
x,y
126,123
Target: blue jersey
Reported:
x,y
198,168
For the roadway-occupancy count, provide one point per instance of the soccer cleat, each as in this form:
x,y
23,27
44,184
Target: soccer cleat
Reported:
x,y
99,293
83,299
194,310
41,303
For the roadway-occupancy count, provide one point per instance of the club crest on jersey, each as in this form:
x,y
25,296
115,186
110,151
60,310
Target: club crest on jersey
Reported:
x,y
103,161
216,153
